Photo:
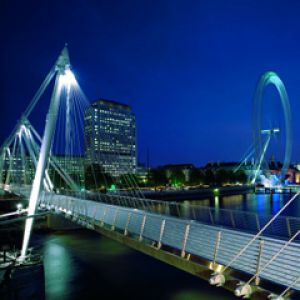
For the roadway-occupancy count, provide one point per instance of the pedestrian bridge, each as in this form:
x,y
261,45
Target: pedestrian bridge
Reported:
x,y
254,256
255,260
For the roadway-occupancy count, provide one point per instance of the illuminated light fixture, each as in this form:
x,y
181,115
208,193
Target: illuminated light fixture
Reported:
x,y
21,130
67,79
112,188
19,206
270,131
216,191
217,279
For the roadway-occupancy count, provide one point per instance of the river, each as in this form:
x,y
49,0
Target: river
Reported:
x,y
263,204
82,264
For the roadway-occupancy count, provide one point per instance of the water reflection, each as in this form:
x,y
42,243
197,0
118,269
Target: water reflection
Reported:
x,y
217,202
234,201
81,264
185,210
263,204
59,269
216,213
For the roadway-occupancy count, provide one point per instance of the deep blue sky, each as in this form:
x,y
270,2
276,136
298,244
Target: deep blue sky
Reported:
x,y
188,68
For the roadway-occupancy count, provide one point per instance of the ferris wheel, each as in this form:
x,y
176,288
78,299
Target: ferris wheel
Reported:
x,y
265,133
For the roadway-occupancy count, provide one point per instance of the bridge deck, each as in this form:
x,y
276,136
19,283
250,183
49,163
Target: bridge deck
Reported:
x,y
191,237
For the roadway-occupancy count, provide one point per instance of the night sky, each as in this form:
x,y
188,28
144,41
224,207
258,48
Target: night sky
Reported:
x,y
188,68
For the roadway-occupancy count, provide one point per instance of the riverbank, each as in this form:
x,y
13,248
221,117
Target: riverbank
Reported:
x,y
196,194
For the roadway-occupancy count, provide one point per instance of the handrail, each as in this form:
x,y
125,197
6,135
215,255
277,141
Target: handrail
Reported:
x,y
261,231
274,257
237,219
184,235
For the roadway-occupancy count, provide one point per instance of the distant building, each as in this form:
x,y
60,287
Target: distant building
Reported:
x,y
297,177
246,167
110,137
23,171
72,165
142,174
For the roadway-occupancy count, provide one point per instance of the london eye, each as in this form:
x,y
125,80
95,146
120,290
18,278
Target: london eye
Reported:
x,y
272,130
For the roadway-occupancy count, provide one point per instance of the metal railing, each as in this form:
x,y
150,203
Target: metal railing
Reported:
x,y
284,226
265,258
173,224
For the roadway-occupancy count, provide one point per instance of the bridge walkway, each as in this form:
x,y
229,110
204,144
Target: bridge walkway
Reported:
x,y
215,244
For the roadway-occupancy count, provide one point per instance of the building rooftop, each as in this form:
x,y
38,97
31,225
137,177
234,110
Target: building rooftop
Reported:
x,y
111,103
182,166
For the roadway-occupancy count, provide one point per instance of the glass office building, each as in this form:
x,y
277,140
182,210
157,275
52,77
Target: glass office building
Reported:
x,y
110,137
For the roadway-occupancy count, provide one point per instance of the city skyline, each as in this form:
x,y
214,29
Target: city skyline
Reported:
x,y
191,83
149,130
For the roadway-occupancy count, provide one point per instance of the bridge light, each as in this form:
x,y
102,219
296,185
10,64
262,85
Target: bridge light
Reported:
x,y
19,207
217,279
68,79
113,188
243,290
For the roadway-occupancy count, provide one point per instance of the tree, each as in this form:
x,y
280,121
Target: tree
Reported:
x,y
222,176
96,178
157,177
241,177
177,177
209,177
196,177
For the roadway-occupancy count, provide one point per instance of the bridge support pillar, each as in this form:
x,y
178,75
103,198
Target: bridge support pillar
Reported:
x,y
62,65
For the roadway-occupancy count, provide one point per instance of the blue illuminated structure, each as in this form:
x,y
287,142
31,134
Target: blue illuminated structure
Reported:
x,y
262,144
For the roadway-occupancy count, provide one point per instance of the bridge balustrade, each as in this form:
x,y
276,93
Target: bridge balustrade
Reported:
x,y
283,226
200,240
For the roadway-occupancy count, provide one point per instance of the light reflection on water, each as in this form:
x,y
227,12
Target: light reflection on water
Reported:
x,y
263,204
217,202
82,264
58,263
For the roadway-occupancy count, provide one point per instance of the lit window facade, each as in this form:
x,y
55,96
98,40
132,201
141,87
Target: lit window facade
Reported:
x,y
110,137
72,165
23,172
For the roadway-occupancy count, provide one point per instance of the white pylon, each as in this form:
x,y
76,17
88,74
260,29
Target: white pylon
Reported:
x,y
62,65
